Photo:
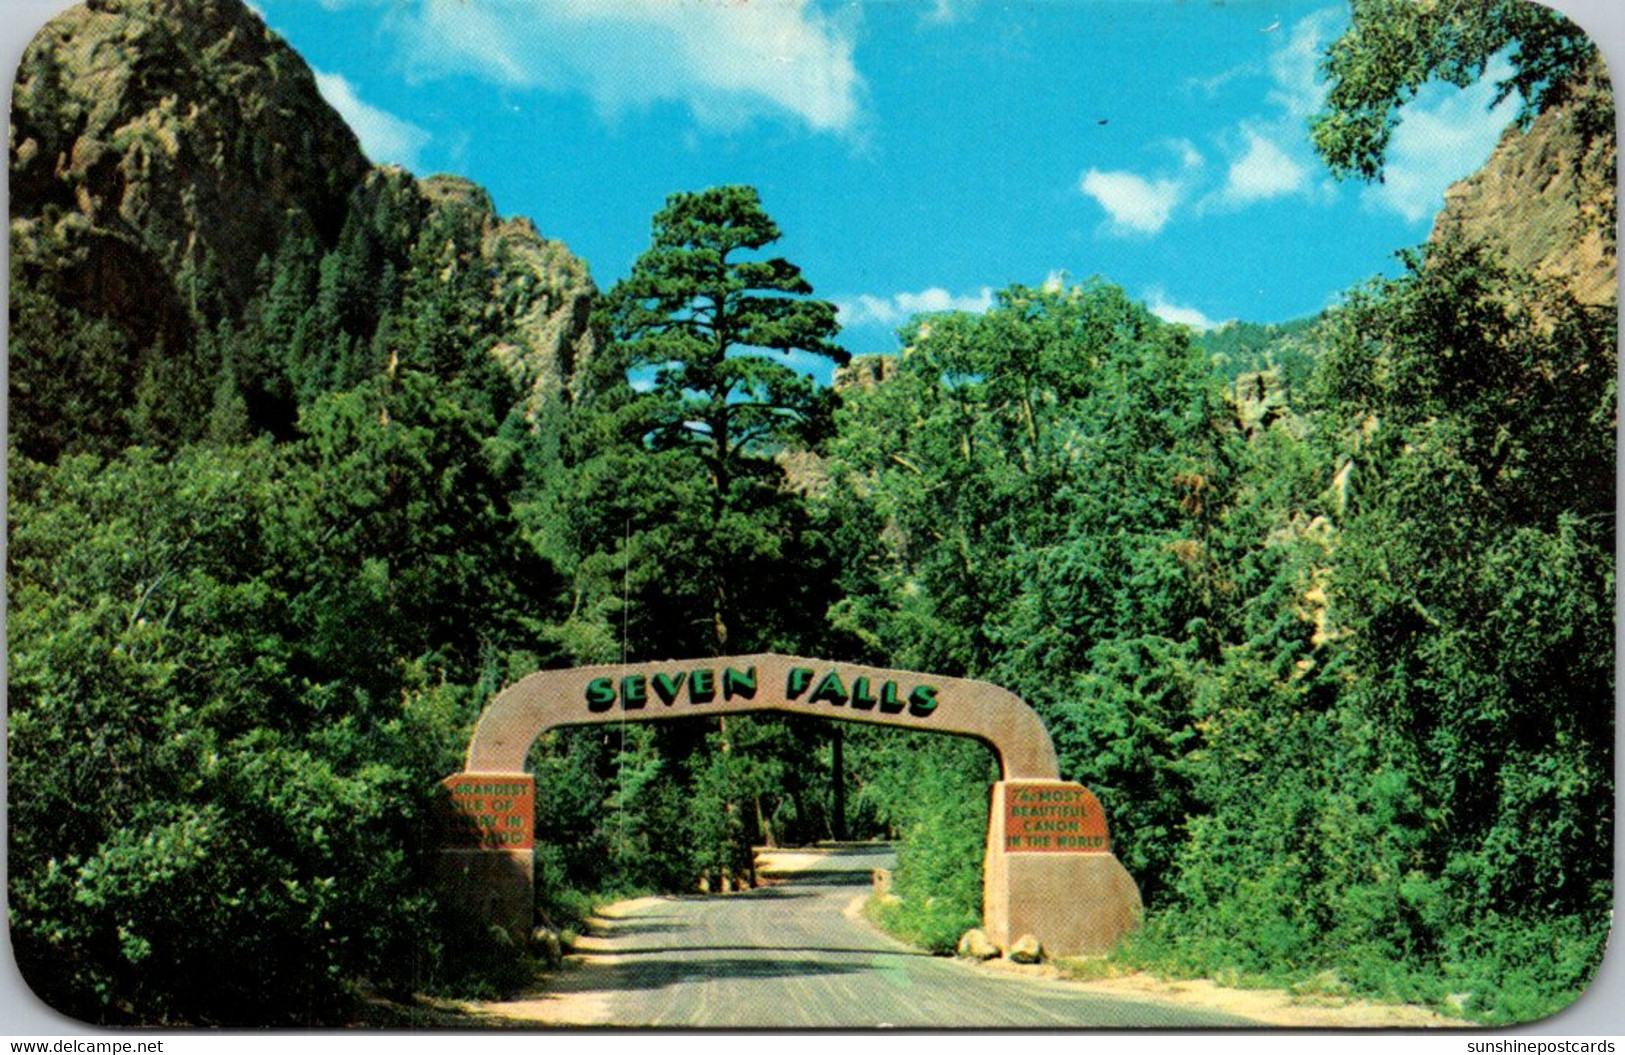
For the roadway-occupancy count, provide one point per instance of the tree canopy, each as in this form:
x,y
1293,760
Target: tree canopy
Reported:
x,y
693,312
1394,47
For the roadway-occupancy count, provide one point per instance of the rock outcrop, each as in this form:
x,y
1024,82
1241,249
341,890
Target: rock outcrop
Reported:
x,y
164,154
1026,949
152,142
865,372
540,294
1545,200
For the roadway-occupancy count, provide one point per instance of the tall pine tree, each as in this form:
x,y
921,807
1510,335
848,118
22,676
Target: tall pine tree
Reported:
x,y
698,320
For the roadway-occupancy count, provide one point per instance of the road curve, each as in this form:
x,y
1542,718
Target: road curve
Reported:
x,y
793,956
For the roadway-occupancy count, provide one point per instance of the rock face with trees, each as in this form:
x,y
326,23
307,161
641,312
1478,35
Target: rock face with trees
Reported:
x,y
204,235
1545,201
309,458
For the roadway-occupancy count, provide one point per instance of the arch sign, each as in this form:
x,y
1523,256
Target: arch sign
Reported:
x,y
1048,870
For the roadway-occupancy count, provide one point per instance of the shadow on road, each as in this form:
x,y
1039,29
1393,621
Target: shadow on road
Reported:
x,y
768,950
794,955
619,928
670,967
831,877
834,950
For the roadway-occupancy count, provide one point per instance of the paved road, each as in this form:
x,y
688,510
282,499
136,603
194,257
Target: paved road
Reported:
x,y
792,956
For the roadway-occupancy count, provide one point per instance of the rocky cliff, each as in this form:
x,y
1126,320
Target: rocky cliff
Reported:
x,y
167,155
1545,199
153,142
540,294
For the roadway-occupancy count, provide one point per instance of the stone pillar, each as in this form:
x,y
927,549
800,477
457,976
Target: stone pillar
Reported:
x,y
487,858
1050,872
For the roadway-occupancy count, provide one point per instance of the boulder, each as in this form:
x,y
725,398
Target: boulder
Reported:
x,y
974,944
1026,950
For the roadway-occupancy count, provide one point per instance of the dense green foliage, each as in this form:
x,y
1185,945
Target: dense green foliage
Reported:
x,y
670,512
1457,581
1394,47
253,604
223,735
931,795
1342,674
1027,501
1342,679
1237,348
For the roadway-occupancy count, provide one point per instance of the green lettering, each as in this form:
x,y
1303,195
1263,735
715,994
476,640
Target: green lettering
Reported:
x,y
861,700
634,693
829,689
735,683
922,701
889,703
666,687
702,685
600,694
796,684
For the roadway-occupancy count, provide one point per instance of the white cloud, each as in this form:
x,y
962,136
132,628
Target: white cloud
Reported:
x,y
1140,205
385,138
1135,204
1295,66
1158,304
727,62
899,307
1263,171
809,364
1444,135
1269,154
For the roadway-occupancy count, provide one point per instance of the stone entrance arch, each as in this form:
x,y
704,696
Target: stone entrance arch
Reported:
x,y
1048,870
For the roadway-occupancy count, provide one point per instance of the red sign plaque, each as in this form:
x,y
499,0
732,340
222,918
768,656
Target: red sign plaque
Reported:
x,y
492,811
1053,818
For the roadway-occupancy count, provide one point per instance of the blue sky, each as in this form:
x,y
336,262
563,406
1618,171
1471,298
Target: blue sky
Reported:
x,y
918,155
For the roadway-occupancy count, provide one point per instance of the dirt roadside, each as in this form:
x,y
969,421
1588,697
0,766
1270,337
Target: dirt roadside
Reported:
x,y
566,996
1273,1007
